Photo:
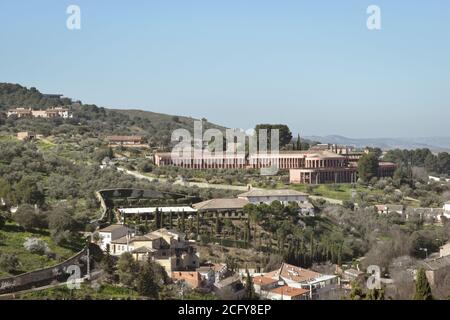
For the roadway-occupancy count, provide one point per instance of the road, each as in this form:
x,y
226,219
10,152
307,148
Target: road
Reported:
x,y
205,185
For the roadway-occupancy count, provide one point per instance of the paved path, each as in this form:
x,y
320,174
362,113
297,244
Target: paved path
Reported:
x,y
206,185
203,185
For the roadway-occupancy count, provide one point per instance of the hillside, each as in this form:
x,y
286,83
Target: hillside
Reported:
x,y
89,121
436,144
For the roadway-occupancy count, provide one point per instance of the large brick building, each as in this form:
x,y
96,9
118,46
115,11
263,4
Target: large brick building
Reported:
x,y
315,166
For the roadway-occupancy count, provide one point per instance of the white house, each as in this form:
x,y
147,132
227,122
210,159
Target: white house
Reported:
x,y
257,196
111,233
319,285
447,207
444,250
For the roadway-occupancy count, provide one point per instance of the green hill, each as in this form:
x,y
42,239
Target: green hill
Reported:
x,y
89,121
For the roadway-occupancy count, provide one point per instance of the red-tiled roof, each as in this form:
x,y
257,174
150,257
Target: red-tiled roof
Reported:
x,y
289,291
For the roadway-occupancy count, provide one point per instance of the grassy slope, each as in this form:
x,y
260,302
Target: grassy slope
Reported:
x,y
12,238
154,117
104,292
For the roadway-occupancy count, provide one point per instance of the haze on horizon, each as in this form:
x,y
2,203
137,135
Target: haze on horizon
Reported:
x,y
311,65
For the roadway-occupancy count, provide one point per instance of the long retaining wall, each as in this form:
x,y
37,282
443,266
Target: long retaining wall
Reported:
x,y
43,276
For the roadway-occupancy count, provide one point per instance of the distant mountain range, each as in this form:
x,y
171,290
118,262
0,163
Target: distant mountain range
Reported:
x,y
436,144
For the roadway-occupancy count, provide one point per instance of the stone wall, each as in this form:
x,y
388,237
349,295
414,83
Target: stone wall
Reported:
x,y
44,276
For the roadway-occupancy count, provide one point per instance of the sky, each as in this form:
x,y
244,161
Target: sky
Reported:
x,y
313,65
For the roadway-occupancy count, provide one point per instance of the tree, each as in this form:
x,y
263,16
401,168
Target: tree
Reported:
x,y
108,266
2,220
231,263
285,134
28,191
127,269
249,288
6,193
375,294
423,289
9,262
368,167
356,293
146,282
28,217
60,221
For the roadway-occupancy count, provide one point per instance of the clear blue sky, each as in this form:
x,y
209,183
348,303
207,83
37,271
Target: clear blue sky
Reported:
x,y
310,64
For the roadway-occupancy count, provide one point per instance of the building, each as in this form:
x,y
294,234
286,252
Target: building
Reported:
x,y
192,279
126,141
444,250
263,284
25,136
213,272
200,160
111,233
386,169
349,276
169,248
287,293
447,207
230,288
308,167
224,207
20,113
55,112
390,208
259,196
319,285
325,168
52,96
436,269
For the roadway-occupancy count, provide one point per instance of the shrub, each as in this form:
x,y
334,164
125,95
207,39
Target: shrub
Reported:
x,y
35,245
9,262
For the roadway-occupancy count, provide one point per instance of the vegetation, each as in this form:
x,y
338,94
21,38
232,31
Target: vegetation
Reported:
x,y
12,248
423,289
368,167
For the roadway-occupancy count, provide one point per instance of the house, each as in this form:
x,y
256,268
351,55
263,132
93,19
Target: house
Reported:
x,y
111,233
20,113
390,208
319,285
230,288
262,284
126,141
56,112
213,272
192,279
436,269
447,207
349,276
169,248
224,207
25,136
287,293
258,196
444,250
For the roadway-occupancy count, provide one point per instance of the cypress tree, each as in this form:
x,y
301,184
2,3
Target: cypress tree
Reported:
x,y
249,288
423,289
